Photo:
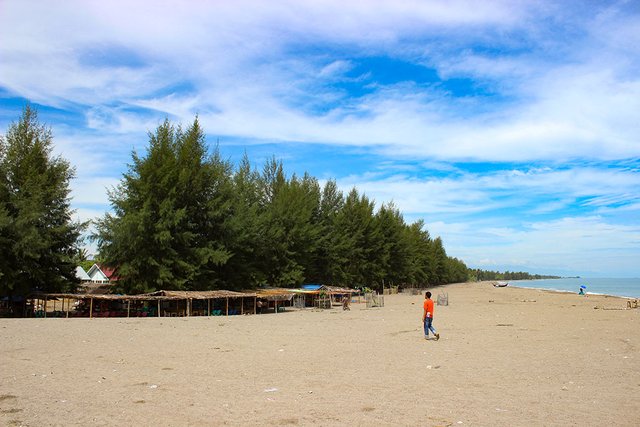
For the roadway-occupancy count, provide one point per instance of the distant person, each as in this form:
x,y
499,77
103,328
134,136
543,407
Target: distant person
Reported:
x,y
427,317
581,291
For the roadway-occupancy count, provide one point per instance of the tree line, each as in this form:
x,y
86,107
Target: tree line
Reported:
x,y
186,219
479,275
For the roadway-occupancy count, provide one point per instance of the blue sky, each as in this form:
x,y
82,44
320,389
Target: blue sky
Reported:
x,y
511,127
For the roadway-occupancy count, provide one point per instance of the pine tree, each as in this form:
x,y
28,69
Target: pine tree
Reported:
x,y
328,266
439,257
38,238
358,242
288,225
395,255
243,269
168,228
419,265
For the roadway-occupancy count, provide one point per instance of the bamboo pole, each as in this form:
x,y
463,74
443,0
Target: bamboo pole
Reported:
x,y
91,309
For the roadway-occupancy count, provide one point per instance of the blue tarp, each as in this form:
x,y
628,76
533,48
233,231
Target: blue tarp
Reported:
x,y
311,286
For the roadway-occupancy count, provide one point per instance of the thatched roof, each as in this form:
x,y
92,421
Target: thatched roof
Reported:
x,y
153,296
96,288
112,297
275,294
271,294
200,294
338,290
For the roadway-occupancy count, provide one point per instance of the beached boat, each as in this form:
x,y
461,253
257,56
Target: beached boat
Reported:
x,y
501,284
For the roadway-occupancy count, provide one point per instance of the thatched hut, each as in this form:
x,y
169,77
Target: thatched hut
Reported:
x,y
276,299
160,304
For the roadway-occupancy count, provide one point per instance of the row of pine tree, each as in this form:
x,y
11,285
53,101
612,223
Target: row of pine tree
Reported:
x,y
185,218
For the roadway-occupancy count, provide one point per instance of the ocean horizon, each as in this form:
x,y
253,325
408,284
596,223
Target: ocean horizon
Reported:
x,y
620,287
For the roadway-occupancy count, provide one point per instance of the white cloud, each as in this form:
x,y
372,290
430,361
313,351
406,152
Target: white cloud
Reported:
x,y
92,191
586,246
336,68
235,57
537,190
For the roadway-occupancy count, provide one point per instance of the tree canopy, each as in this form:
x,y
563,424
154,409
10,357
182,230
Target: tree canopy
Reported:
x,y
186,219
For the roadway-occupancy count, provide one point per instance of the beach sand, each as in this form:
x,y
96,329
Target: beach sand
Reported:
x,y
506,357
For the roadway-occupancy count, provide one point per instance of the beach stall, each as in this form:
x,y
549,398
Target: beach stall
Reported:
x,y
87,305
315,295
156,304
199,303
323,296
275,298
338,294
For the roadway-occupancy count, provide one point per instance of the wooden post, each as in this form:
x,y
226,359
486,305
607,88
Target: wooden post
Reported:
x,y
208,306
255,305
241,305
158,308
45,307
91,309
68,302
188,307
128,307
226,311
276,304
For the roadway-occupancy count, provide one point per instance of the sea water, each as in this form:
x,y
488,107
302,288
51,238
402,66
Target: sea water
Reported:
x,y
618,287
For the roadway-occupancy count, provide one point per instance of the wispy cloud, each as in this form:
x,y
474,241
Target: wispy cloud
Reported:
x,y
527,190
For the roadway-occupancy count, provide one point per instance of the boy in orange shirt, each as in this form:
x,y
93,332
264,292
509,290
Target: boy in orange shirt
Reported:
x,y
427,317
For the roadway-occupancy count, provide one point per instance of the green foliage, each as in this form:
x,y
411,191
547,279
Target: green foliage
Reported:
x,y
479,275
169,230
185,220
38,239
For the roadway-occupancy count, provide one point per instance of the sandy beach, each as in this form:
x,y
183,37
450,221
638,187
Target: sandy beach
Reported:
x,y
506,357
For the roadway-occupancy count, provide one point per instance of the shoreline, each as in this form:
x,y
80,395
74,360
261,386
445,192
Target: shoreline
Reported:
x,y
584,280
561,291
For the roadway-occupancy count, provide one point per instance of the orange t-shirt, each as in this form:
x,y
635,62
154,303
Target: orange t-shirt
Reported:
x,y
428,306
